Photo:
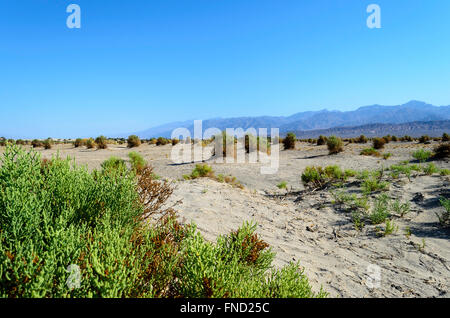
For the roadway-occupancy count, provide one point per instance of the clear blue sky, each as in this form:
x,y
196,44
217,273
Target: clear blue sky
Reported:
x,y
140,63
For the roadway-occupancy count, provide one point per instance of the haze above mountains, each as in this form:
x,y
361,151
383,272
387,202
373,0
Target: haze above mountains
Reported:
x,y
369,120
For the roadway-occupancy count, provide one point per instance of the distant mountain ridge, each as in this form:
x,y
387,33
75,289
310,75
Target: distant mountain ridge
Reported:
x,y
413,129
411,112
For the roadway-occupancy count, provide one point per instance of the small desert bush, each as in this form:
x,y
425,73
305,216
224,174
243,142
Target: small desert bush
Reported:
x,y
424,139
282,185
335,145
400,208
406,138
289,141
422,155
48,143
36,143
378,143
362,139
133,141
161,141
444,172
442,151
101,142
138,162
430,169
201,171
322,140
78,143
387,155
389,228
175,141
380,210
373,184
370,152
90,143
387,138
445,137
317,176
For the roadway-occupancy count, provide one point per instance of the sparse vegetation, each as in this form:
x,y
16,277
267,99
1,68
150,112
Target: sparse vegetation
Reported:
x,y
58,214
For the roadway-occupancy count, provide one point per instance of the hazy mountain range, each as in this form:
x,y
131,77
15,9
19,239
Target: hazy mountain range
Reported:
x,y
413,118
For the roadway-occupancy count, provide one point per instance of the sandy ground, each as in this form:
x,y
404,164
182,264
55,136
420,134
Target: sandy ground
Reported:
x,y
309,228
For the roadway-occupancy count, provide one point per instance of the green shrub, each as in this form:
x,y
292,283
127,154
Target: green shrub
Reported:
x,y
138,162
421,155
101,142
370,152
202,171
400,208
175,141
430,169
380,210
289,141
90,143
282,185
387,155
378,143
133,141
373,184
335,145
444,172
317,176
114,163
389,228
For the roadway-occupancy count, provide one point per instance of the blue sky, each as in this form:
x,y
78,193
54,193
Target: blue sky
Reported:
x,y
138,64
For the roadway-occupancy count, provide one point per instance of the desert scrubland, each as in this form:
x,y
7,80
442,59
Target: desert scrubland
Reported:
x,y
372,232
